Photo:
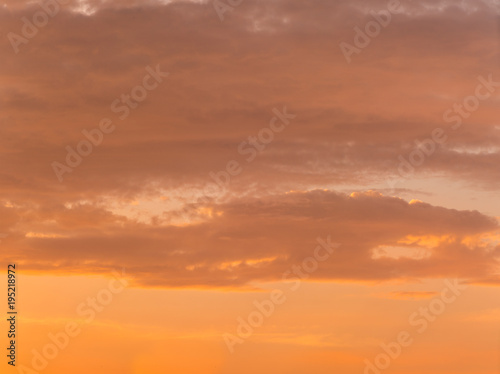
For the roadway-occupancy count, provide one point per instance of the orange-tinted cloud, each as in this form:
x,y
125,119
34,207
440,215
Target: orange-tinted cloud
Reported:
x,y
352,122
259,239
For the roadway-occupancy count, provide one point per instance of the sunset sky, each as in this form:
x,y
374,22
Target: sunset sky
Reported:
x,y
194,159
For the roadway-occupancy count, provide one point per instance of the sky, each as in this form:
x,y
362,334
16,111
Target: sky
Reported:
x,y
277,186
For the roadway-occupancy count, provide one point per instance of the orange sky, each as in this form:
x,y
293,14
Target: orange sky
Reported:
x,y
323,192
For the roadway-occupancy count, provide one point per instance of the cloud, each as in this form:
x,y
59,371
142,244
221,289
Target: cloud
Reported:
x,y
257,240
353,121
225,80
